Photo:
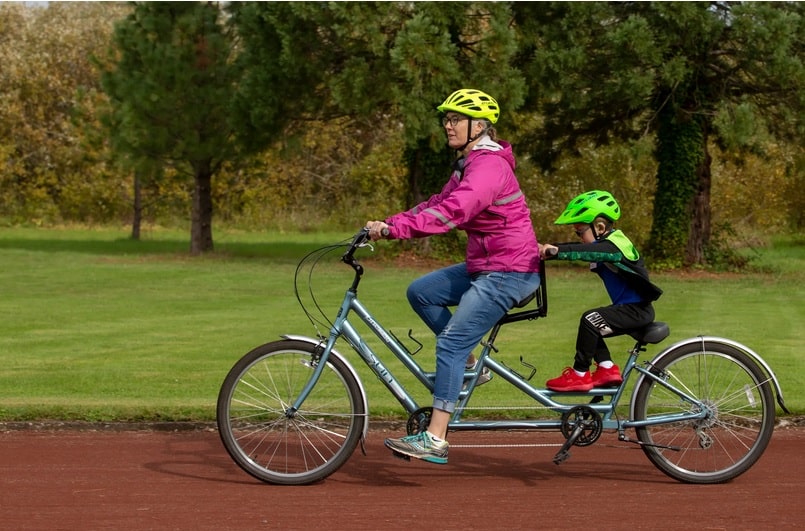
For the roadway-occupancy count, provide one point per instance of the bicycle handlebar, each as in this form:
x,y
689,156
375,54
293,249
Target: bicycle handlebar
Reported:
x,y
357,241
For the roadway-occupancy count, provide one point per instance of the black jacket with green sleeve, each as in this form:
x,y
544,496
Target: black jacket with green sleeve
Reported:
x,y
617,253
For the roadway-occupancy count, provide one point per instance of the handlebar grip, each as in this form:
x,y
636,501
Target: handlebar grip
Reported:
x,y
385,233
553,251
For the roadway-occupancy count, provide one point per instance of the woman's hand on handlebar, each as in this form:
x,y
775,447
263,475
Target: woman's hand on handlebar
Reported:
x,y
377,229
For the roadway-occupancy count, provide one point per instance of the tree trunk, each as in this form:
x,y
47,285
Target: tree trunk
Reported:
x,y
416,180
416,175
136,222
201,227
680,157
699,236
427,172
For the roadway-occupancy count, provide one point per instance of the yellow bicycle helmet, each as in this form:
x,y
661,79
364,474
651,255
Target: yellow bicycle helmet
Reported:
x,y
473,103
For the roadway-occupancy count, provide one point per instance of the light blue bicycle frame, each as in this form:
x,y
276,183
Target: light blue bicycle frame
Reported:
x,y
343,328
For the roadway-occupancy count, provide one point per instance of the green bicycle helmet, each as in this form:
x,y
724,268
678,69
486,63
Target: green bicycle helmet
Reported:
x,y
473,103
585,207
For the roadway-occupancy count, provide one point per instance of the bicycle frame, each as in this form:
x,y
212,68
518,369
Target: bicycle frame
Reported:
x,y
712,398
343,328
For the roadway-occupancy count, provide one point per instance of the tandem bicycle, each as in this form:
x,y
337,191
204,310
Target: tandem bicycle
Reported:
x,y
293,411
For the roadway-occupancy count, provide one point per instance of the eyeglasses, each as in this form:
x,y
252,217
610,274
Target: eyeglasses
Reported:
x,y
580,232
452,120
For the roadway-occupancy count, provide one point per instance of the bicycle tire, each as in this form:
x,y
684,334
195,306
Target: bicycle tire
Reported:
x,y
289,449
723,446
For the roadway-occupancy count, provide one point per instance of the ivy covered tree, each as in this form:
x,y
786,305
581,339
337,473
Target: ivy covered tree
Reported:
x,y
688,72
171,83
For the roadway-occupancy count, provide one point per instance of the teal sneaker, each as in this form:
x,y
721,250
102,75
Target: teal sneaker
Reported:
x,y
419,446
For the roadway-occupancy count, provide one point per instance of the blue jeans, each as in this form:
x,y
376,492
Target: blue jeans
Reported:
x,y
480,301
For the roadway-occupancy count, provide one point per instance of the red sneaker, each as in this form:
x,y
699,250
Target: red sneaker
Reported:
x,y
570,381
607,377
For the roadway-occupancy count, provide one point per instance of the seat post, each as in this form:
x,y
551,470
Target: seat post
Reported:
x,y
493,334
638,347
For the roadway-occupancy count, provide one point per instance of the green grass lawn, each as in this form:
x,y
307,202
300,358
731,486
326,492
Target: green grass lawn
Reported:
x,y
94,326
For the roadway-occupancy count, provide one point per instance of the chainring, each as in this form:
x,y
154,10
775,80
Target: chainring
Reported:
x,y
587,419
419,420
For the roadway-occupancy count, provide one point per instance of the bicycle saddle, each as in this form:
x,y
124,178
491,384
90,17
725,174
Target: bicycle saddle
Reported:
x,y
651,333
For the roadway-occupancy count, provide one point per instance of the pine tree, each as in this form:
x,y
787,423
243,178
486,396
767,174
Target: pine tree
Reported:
x,y
171,88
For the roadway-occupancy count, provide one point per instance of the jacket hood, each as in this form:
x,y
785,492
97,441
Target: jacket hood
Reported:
x,y
500,148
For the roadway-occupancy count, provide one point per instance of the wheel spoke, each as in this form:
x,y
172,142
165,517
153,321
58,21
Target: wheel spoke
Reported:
x,y
735,395
271,441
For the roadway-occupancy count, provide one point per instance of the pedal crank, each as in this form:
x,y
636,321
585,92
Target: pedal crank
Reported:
x,y
581,426
419,420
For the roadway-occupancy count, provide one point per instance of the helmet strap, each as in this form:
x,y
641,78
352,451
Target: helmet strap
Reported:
x,y
470,138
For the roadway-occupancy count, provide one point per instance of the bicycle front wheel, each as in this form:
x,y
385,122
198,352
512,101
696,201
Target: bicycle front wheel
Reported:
x,y
738,398
285,447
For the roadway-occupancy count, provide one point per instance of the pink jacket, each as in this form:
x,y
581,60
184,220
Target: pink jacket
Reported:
x,y
486,202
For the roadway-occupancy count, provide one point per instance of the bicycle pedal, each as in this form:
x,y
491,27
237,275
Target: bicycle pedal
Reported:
x,y
398,455
561,456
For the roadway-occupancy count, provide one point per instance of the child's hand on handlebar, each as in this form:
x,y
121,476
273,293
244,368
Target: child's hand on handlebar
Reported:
x,y
547,250
377,229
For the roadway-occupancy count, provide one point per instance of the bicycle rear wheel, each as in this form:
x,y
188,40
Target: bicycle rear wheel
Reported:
x,y
278,446
738,396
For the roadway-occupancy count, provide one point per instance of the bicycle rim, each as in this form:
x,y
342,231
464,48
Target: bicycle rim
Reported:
x,y
273,445
740,421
